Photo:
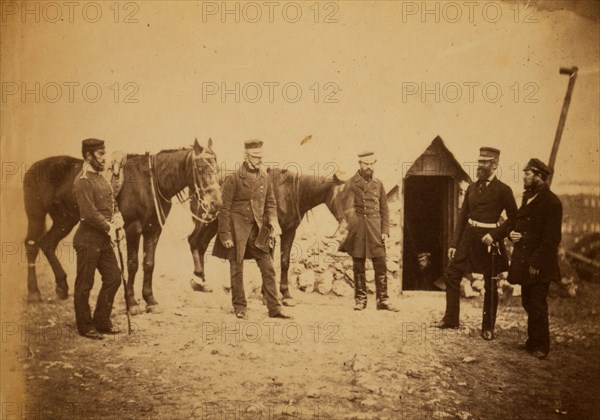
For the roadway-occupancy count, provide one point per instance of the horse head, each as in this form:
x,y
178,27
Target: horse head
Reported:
x,y
205,192
340,202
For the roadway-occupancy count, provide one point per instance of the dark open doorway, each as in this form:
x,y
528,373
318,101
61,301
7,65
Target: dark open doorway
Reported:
x,y
426,229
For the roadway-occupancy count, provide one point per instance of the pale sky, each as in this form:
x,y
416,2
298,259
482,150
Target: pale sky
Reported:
x,y
370,58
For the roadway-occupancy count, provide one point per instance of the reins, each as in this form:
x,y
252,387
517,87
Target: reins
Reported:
x,y
199,193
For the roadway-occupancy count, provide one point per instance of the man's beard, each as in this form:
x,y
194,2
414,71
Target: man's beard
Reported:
x,y
368,172
99,167
254,166
483,173
530,187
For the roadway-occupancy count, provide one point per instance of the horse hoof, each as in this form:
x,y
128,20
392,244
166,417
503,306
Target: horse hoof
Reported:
x,y
62,293
154,309
134,310
198,287
288,302
34,297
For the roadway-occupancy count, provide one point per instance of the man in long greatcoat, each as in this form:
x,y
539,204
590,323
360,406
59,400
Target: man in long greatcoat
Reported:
x,y
367,235
536,234
477,245
247,228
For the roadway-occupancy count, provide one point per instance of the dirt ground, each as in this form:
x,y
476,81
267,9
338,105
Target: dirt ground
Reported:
x,y
195,360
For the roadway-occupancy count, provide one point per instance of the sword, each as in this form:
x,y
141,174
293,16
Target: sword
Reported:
x,y
117,244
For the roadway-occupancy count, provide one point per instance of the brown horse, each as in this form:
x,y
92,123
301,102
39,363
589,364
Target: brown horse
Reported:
x,y
295,195
150,182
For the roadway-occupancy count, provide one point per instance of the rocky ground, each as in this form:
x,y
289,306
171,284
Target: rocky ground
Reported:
x,y
196,360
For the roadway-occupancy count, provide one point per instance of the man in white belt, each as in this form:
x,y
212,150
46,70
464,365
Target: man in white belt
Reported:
x,y
477,235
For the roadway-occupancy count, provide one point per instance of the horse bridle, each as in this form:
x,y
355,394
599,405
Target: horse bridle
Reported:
x,y
199,193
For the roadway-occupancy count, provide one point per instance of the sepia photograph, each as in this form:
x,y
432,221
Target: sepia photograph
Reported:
x,y
310,209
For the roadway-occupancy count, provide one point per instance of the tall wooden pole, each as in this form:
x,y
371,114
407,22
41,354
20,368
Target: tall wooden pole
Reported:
x,y
572,72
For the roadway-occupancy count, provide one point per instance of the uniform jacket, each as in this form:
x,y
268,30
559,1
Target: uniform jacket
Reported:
x,y
486,207
372,219
245,201
95,200
539,223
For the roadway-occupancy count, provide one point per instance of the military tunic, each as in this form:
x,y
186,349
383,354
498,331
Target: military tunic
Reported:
x,y
94,251
483,204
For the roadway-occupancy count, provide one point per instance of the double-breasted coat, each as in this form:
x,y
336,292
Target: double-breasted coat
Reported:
x,y
372,219
247,199
483,204
539,222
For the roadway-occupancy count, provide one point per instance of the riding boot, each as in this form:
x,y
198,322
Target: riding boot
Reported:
x,y
360,292
383,301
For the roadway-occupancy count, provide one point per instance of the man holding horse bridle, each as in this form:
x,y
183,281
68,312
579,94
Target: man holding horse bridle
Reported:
x,y
92,242
247,229
367,236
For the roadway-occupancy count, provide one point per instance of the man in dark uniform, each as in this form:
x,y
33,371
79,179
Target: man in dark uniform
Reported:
x,y
536,233
478,239
247,228
92,243
367,236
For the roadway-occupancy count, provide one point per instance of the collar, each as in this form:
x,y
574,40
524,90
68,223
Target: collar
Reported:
x,y
529,195
244,170
87,168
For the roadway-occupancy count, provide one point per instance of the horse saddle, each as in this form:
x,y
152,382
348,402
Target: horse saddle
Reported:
x,y
114,172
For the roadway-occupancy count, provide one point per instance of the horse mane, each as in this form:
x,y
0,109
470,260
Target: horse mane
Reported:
x,y
145,155
303,186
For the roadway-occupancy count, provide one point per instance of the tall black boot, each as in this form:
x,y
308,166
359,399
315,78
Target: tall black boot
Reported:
x,y
383,300
360,292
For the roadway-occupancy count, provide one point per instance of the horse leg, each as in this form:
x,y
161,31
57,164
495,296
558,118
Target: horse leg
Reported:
x,y
150,242
133,232
199,240
62,224
35,230
287,239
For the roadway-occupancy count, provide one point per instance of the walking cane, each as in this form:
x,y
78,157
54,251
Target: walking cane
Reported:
x,y
117,244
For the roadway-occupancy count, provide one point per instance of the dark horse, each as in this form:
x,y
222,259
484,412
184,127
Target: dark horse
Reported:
x,y
295,195
149,184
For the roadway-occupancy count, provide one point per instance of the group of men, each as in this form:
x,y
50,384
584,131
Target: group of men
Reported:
x,y
478,246
248,226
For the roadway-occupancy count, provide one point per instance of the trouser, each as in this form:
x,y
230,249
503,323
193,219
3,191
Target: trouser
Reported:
x,y
264,260
453,277
360,285
95,253
535,304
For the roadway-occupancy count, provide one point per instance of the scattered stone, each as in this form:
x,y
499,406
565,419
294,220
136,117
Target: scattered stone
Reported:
x,y
469,359
413,374
369,402
313,393
306,281
478,285
325,283
466,290
341,288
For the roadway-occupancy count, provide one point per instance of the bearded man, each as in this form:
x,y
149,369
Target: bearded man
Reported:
x,y
367,236
536,234
477,245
